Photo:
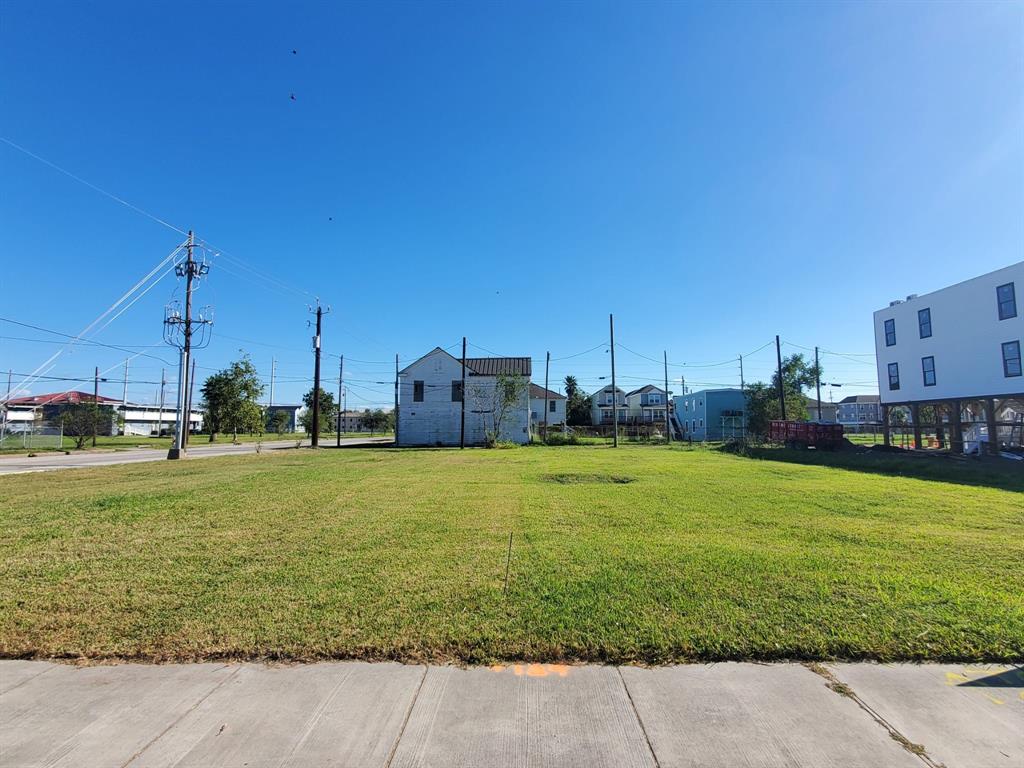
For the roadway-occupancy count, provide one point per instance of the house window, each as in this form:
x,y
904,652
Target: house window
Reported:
x,y
702,423
1007,298
551,406
1011,358
655,399
924,322
417,391
928,369
456,391
894,376
890,333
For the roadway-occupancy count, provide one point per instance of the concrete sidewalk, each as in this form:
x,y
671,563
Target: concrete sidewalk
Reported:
x,y
358,714
49,461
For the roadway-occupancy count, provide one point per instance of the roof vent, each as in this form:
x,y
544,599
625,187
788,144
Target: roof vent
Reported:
x,y
911,297
895,302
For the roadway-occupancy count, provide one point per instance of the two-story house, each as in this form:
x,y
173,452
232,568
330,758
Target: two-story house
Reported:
x,y
858,411
647,405
605,403
430,400
958,349
711,414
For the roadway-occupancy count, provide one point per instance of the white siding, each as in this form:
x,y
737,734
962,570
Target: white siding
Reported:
x,y
556,416
437,419
966,341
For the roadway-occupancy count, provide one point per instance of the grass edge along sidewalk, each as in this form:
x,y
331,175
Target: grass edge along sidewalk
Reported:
x,y
641,555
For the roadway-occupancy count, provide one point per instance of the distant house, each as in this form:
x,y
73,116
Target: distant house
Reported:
x,y
555,406
291,411
859,410
430,400
647,405
604,403
828,410
711,414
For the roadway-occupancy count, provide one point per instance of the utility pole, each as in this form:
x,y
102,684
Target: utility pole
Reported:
x,y
742,384
817,380
462,396
95,403
668,424
160,413
124,398
188,409
682,383
396,394
189,270
273,374
3,431
782,389
615,399
315,438
547,366
341,377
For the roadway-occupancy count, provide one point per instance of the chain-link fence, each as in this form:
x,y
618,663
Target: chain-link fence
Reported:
x,y
30,436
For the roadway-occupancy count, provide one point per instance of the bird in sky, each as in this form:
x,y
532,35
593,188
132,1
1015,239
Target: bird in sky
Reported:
x,y
293,97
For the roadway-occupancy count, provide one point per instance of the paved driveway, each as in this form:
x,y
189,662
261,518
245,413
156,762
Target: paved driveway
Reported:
x,y
46,462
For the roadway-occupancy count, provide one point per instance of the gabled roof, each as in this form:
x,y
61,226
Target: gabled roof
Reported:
x,y
607,388
74,397
861,399
645,389
485,366
538,393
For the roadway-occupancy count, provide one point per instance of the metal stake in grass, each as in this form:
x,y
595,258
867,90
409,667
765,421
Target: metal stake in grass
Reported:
x,y
508,562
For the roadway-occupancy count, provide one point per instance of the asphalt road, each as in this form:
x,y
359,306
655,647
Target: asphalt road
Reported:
x,y
47,462
409,716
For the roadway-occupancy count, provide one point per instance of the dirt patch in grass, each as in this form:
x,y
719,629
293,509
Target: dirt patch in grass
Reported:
x,y
579,478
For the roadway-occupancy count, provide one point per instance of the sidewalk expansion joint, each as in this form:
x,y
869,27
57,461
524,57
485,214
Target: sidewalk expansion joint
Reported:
x,y
838,686
405,721
183,715
639,720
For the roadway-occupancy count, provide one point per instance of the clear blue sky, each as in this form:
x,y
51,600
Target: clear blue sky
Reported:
x,y
712,174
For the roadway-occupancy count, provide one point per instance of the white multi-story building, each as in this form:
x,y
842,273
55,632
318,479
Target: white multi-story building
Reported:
x,y
958,348
430,400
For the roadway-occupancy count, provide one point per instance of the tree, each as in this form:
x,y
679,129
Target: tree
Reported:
x,y
763,399
230,399
376,420
278,422
577,406
328,412
496,403
78,421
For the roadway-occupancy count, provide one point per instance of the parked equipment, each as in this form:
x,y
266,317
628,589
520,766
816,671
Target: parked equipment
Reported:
x,y
806,434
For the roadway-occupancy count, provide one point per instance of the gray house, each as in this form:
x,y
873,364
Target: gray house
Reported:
x,y
711,414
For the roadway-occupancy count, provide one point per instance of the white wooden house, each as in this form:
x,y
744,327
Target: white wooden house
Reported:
x,y
554,402
430,400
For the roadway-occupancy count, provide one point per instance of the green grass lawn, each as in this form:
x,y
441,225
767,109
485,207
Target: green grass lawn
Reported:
x,y
638,554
